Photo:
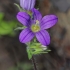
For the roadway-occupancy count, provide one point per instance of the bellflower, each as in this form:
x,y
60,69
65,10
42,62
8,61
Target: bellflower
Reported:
x,y
36,26
27,4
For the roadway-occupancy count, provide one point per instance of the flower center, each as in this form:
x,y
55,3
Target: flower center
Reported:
x,y
35,27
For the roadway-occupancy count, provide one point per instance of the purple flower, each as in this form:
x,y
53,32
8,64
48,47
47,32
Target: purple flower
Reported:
x,y
27,4
36,27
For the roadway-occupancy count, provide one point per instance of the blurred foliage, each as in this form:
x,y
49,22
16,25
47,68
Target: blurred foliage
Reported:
x,y
22,66
7,27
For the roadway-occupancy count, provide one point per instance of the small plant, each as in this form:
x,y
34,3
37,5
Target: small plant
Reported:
x,y
33,33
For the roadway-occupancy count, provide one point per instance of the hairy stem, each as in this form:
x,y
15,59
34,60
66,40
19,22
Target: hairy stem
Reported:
x,y
34,63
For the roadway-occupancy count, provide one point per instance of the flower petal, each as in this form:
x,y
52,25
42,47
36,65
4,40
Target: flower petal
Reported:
x,y
37,15
26,35
24,18
22,3
43,37
27,4
48,21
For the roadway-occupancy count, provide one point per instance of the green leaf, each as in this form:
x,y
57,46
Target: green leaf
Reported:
x,y
29,53
19,28
4,31
7,27
48,50
1,16
18,6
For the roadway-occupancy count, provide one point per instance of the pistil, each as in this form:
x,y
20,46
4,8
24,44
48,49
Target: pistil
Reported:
x,y
35,27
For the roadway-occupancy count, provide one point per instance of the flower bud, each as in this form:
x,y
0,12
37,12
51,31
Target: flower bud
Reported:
x,y
43,47
27,4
